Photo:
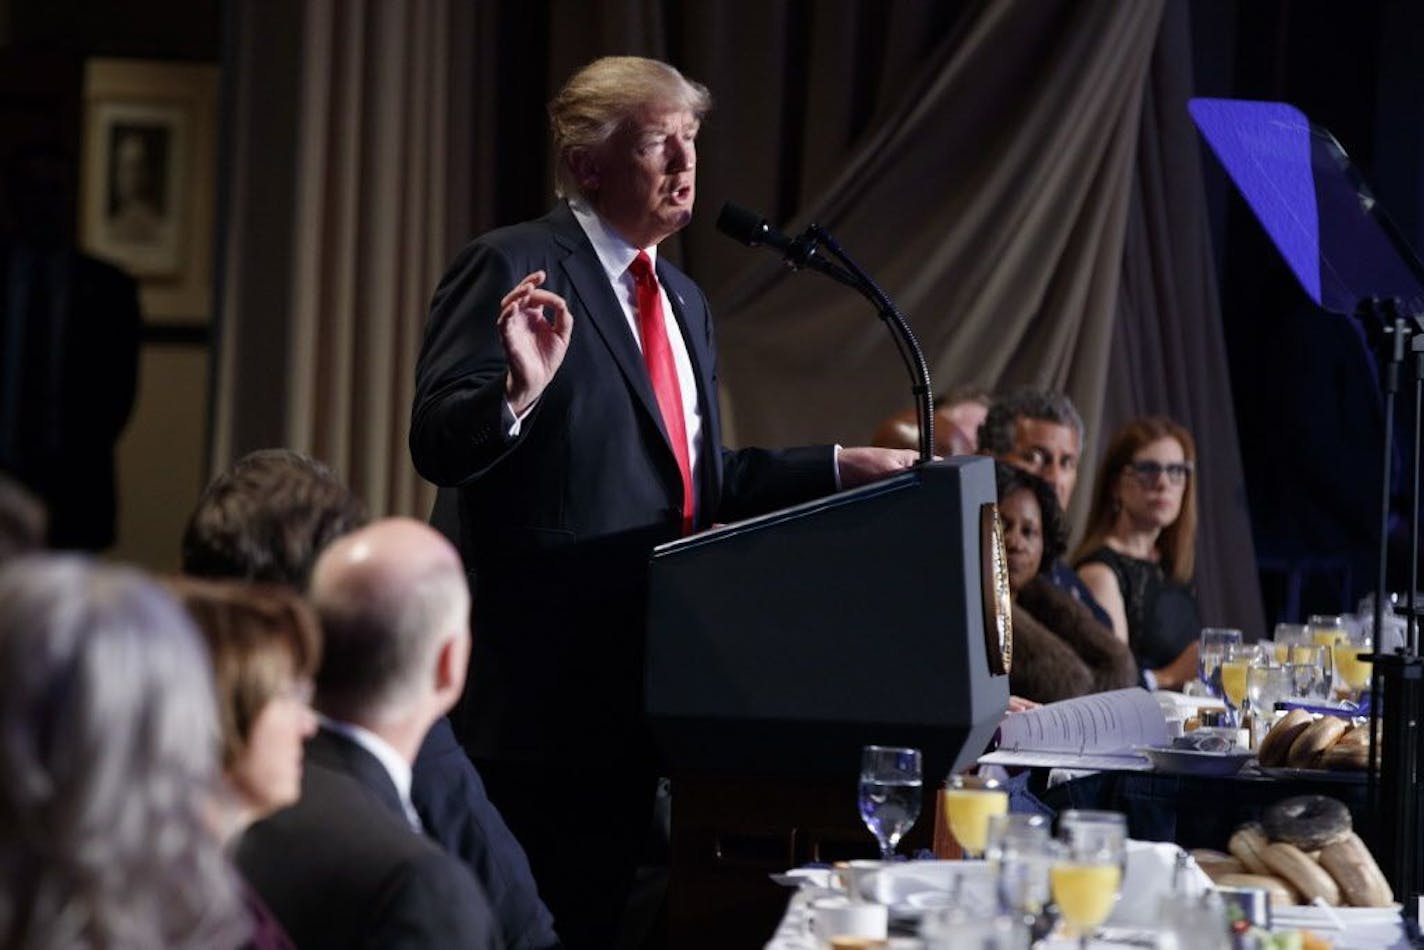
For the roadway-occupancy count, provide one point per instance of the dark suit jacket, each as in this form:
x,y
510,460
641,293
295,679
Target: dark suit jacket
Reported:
x,y
94,369
343,868
557,523
450,796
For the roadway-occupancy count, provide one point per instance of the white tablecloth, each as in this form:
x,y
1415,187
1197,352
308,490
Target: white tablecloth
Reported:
x,y
1149,876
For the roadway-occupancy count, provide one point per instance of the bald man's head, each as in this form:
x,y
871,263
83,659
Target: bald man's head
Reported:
x,y
390,597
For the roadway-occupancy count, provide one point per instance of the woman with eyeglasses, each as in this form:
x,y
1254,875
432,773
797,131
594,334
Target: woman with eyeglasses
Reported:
x,y
1139,550
264,643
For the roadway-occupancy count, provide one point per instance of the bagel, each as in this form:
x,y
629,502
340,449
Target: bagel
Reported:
x,y
1352,866
1358,735
1277,743
1310,822
1279,891
1247,844
1310,879
1318,737
1214,863
1343,757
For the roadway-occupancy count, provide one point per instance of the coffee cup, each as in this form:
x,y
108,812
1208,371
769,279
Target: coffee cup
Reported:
x,y
832,917
854,877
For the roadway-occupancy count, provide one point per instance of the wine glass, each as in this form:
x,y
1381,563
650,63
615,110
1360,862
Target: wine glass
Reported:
x,y
969,802
1084,879
1017,848
889,793
1214,641
1287,635
1267,685
1235,661
1093,825
1352,674
1312,667
1326,630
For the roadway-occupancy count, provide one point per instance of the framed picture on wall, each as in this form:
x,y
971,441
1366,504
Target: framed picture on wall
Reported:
x,y
148,179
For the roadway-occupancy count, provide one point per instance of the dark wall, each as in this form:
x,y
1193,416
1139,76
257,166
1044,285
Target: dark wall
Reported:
x,y
1304,383
42,59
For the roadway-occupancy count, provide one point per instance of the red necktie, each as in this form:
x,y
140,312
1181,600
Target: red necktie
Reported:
x,y
657,354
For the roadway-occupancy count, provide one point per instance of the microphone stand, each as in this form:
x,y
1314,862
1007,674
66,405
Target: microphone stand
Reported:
x,y
801,254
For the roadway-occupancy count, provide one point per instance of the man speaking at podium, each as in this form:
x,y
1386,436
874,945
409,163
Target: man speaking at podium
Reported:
x,y
568,386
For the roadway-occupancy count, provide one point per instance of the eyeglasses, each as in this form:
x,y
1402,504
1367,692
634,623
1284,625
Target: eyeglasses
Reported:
x,y
1147,473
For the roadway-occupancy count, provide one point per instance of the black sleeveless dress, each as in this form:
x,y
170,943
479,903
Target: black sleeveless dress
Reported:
x,y
1162,615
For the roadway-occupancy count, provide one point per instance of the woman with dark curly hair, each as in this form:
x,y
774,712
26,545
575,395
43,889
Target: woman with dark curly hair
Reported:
x,y
1060,650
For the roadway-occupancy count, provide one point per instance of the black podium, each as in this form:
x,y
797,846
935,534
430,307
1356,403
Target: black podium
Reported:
x,y
777,647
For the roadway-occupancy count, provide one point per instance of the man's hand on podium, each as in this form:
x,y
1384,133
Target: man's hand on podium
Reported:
x,y
866,464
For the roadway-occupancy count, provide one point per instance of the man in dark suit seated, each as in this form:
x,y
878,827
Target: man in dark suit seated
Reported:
x,y
347,865
266,519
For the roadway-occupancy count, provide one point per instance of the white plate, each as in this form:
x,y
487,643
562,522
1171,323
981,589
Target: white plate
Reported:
x,y
1191,762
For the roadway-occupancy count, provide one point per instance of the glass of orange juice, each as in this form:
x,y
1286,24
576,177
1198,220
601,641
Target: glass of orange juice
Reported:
x,y
1239,658
969,802
1352,673
1084,878
1326,630
1287,635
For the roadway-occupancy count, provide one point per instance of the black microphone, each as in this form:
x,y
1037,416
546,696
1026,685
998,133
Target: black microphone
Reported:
x,y
748,227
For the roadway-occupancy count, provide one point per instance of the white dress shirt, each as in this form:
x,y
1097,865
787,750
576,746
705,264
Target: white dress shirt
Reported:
x,y
392,761
615,254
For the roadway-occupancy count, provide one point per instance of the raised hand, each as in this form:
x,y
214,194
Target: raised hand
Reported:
x,y
534,347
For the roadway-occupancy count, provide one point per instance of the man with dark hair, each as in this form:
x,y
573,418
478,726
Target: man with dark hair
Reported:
x,y
1041,432
267,519
346,866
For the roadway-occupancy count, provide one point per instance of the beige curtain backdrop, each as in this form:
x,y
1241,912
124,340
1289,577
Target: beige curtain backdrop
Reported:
x,y
1168,352
1018,175
377,178
990,201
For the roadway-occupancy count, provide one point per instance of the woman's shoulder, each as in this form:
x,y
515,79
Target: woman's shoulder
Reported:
x,y
1118,562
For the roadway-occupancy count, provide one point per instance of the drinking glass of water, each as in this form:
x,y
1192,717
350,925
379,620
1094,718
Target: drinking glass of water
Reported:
x,y
889,793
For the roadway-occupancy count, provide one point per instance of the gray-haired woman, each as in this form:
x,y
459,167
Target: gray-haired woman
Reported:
x,y
108,745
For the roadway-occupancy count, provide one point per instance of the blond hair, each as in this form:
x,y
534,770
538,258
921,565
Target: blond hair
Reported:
x,y
604,95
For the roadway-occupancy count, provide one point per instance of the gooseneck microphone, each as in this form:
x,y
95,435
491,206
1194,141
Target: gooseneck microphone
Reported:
x,y
749,228
799,253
